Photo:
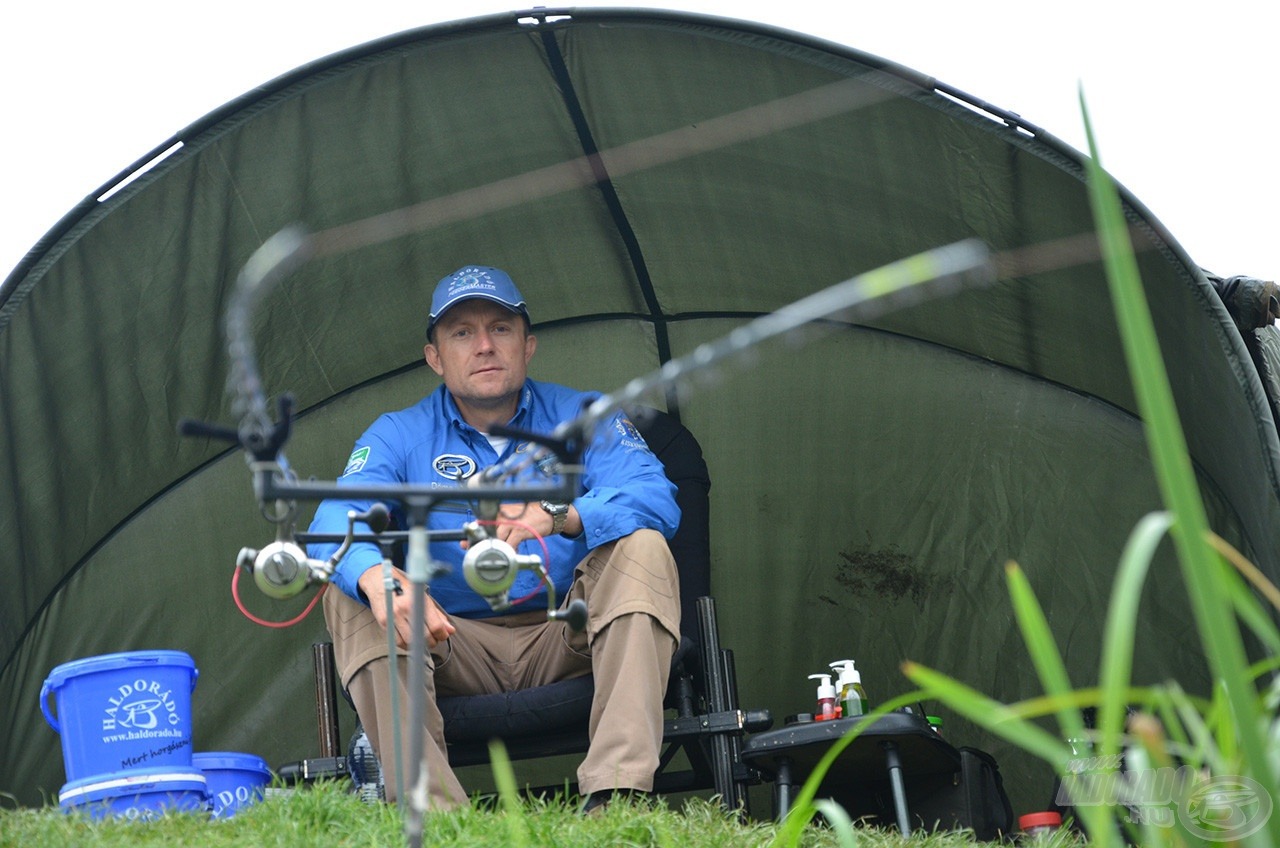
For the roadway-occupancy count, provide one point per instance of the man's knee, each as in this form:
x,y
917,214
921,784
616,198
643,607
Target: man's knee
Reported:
x,y
635,574
358,638
641,560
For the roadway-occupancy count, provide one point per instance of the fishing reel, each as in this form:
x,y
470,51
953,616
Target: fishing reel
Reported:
x,y
282,569
490,567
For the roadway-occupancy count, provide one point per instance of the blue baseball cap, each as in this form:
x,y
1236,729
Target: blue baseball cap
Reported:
x,y
475,281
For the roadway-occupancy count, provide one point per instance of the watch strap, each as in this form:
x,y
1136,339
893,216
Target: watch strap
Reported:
x,y
559,513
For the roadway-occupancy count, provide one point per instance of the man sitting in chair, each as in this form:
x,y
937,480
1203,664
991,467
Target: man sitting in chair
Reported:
x,y
608,547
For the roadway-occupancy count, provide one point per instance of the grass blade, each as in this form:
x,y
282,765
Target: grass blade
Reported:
x,y
1122,616
839,820
1044,651
986,712
504,777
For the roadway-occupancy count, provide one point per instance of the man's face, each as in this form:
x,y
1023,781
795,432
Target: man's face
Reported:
x,y
482,352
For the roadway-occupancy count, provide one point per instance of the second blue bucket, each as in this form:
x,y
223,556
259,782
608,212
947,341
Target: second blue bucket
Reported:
x,y
122,711
235,780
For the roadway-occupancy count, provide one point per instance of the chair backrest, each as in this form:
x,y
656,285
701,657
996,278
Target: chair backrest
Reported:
x,y
682,459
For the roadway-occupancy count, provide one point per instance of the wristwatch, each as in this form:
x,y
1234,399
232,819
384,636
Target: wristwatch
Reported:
x,y
559,513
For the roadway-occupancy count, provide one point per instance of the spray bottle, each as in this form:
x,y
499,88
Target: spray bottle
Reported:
x,y
853,698
826,698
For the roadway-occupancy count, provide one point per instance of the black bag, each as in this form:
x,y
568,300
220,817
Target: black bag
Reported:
x,y
989,805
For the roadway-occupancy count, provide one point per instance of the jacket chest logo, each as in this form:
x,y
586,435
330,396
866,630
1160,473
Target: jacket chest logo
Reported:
x,y
453,466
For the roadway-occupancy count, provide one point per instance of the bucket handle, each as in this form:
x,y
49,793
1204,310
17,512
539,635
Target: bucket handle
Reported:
x,y
45,691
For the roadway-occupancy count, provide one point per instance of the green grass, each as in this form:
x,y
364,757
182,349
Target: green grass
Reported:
x,y
329,815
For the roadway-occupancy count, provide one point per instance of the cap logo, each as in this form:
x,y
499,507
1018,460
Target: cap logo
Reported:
x,y
475,281
471,279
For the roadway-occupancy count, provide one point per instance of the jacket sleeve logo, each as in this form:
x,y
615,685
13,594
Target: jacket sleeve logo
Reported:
x,y
358,458
630,434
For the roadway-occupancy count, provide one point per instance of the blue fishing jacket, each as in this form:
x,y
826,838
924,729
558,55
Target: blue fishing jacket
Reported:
x,y
622,489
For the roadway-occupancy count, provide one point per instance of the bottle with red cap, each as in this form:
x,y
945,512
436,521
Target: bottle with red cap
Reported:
x,y
826,710
1036,826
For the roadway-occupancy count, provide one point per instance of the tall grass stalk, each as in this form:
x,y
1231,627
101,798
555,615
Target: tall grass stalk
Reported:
x,y
1202,568
1204,571
504,777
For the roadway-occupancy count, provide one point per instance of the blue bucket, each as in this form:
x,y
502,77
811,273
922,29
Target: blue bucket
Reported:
x,y
235,780
145,793
122,711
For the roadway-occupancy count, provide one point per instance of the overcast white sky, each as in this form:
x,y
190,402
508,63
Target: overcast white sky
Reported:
x,y
1182,96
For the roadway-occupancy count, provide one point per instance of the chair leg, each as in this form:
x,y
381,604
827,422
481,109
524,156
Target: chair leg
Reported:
x,y
717,679
730,671
332,762
326,698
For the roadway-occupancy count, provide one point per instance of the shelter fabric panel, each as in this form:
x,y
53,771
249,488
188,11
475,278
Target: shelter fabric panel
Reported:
x,y
868,493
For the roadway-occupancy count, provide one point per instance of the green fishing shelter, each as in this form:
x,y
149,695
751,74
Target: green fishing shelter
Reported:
x,y
652,180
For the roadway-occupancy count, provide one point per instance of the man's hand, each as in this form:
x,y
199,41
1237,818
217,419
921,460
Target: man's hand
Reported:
x,y
537,520
439,627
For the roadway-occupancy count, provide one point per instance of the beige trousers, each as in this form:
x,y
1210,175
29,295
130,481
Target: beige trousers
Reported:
x,y
633,626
